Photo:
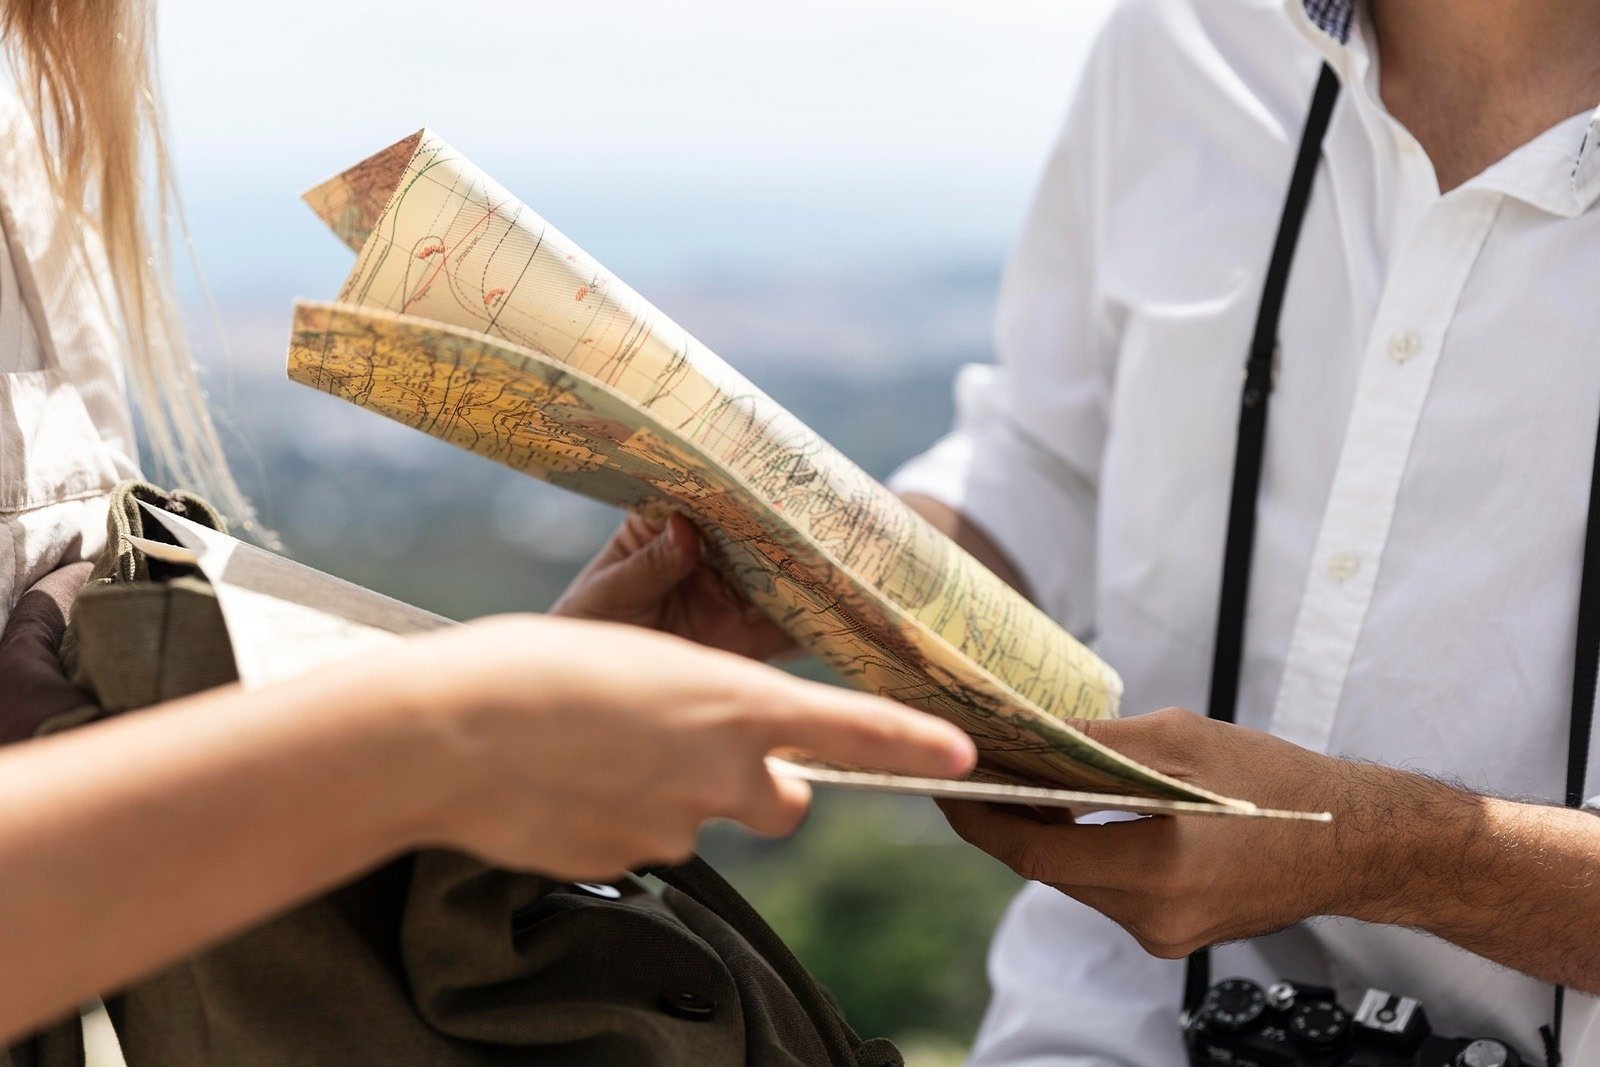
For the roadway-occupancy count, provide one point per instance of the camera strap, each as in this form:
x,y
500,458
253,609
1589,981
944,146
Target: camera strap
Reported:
x,y
1585,664
1259,377
1259,371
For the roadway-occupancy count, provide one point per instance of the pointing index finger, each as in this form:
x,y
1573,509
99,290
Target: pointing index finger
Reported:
x,y
867,731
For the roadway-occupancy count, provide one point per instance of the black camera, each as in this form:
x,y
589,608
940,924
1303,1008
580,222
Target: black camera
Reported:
x,y
1239,1024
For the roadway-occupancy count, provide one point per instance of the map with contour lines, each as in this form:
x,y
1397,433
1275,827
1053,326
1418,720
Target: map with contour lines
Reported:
x,y
471,318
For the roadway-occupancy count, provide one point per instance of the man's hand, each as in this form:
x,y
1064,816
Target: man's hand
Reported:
x,y
1519,883
1177,884
655,576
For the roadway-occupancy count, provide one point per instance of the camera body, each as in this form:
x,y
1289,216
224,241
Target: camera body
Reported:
x,y
1240,1024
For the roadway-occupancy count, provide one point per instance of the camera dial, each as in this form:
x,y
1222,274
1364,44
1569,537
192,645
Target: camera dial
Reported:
x,y
1240,1023
1486,1053
1234,1004
1280,996
1319,1024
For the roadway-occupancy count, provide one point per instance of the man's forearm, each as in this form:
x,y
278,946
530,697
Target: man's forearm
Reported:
x,y
960,529
1517,883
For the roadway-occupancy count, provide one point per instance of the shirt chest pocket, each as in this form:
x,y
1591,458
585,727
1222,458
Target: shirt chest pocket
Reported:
x,y
50,450
1175,411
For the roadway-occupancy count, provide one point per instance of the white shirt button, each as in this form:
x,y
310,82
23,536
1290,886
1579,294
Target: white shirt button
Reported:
x,y
1342,566
1403,344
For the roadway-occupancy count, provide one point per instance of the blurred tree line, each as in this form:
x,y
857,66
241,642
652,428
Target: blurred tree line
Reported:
x,y
885,905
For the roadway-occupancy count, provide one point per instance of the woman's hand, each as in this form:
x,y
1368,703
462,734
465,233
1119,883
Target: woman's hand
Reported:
x,y
655,576
582,750
575,749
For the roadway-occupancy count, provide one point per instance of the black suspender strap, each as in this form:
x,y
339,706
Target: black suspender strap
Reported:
x,y
1260,371
1258,381
1585,664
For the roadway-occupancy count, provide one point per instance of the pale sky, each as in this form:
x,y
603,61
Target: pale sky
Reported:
x,y
663,136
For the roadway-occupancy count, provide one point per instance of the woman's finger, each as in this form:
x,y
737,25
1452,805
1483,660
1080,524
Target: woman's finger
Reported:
x,y
779,805
866,731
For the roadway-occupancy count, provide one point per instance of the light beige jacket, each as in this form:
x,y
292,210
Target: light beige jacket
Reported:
x,y
66,436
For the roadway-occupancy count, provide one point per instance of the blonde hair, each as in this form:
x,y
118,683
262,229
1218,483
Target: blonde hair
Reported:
x,y
86,71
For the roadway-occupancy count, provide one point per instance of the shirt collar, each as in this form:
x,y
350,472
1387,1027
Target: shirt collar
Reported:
x,y
1586,170
1332,17
1569,184
1555,172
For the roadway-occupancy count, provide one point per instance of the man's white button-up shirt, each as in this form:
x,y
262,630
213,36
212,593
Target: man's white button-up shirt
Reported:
x,y
1421,521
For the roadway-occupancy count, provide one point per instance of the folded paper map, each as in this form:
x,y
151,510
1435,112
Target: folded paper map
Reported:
x,y
469,317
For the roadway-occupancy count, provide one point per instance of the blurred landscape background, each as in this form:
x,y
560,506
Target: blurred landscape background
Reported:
x,y
825,196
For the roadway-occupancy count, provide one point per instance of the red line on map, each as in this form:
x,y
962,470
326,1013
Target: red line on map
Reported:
x,y
439,266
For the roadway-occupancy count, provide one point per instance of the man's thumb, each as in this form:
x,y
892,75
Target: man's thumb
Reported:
x,y
655,569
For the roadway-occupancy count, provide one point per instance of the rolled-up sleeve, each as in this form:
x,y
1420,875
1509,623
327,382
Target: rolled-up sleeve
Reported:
x,y
1022,461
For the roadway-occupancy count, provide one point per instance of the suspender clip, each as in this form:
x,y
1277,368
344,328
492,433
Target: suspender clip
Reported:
x,y
1261,376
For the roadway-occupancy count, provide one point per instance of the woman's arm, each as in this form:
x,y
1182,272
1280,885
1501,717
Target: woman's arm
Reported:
x,y
576,749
